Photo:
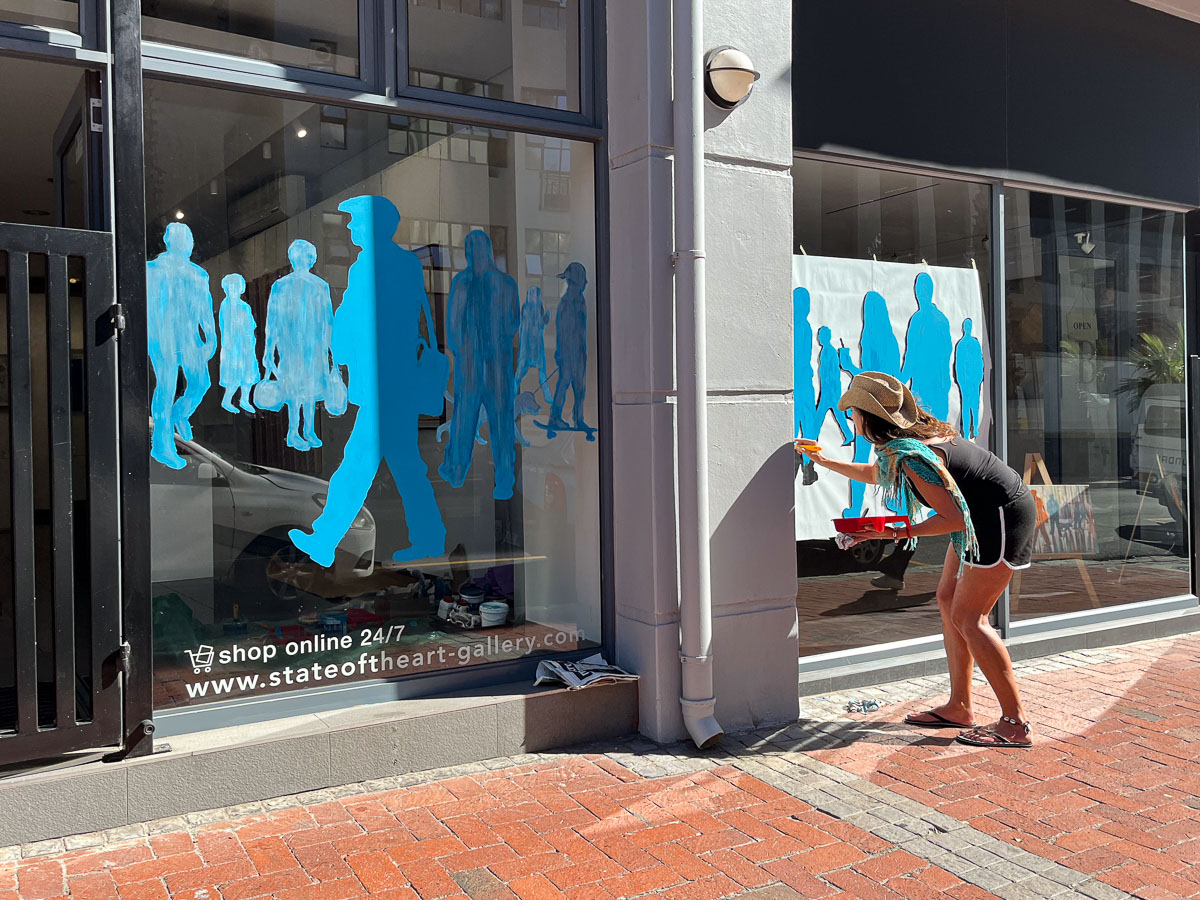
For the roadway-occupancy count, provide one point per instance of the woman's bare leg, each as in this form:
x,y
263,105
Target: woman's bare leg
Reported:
x,y
958,655
975,594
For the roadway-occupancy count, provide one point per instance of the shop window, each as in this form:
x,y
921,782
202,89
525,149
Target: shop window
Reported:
x,y
285,553
322,36
880,256
1095,366
45,13
532,59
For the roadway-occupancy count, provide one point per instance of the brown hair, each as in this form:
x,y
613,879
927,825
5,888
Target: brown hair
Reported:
x,y
878,430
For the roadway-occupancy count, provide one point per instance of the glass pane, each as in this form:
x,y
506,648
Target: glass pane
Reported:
x,y
525,51
46,13
414,507
1096,399
41,183
306,34
878,258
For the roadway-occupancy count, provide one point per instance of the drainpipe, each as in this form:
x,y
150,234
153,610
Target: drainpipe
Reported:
x,y
695,599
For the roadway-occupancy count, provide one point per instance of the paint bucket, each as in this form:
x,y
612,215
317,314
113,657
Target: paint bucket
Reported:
x,y
493,613
471,595
444,606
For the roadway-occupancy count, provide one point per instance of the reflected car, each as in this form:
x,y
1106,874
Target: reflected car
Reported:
x,y
1158,454
228,521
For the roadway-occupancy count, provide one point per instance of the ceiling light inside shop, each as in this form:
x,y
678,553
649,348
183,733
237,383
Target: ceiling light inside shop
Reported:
x,y
301,131
178,214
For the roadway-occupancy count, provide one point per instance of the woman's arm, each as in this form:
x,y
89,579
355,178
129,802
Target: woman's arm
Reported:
x,y
949,517
864,472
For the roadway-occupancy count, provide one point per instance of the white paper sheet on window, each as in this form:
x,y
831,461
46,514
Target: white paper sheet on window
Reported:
x,y
837,292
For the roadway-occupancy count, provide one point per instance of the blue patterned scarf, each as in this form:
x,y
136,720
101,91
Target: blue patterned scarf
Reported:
x,y
898,490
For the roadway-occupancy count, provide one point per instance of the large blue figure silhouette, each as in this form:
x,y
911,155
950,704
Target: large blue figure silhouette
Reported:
x,y
878,351
483,315
829,374
376,335
299,331
968,372
239,354
570,354
181,338
531,351
805,398
927,351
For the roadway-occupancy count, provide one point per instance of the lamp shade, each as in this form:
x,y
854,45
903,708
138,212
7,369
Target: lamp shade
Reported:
x,y
729,75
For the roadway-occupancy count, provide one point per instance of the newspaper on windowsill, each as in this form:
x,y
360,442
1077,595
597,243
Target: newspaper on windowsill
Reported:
x,y
581,674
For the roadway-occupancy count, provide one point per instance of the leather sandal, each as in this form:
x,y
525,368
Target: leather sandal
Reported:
x,y
985,737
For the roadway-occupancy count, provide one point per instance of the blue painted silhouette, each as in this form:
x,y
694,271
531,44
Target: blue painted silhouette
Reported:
x,y
570,354
927,352
878,351
445,426
239,355
805,398
531,352
829,374
297,353
968,372
376,335
181,338
483,316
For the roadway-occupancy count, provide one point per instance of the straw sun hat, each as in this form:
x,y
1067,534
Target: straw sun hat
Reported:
x,y
883,396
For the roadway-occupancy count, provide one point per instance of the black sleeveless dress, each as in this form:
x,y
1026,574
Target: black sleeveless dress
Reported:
x,y
1001,505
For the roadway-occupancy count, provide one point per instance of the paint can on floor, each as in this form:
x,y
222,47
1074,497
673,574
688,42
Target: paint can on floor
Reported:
x,y
493,613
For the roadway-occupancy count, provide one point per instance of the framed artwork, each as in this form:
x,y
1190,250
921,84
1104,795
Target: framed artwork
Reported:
x,y
1066,523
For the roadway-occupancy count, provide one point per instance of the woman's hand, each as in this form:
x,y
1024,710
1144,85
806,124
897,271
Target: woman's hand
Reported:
x,y
861,537
812,451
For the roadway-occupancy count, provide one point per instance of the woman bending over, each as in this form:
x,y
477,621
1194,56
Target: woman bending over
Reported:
x,y
989,513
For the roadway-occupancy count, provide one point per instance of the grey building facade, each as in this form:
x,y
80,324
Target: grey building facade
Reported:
x,y
186,168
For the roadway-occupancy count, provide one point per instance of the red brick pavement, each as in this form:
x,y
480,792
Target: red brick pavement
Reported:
x,y
1111,787
582,828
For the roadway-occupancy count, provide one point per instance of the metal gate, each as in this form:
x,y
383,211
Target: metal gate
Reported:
x,y
60,685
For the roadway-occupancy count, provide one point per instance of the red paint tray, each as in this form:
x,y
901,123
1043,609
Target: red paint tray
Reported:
x,y
859,524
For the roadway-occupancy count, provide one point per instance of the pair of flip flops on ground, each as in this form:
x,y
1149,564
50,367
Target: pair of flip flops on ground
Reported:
x,y
972,735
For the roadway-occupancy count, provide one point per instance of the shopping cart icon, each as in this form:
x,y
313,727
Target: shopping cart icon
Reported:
x,y
202,658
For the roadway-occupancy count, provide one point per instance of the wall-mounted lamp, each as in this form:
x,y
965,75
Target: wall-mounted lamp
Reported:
x,y
729,75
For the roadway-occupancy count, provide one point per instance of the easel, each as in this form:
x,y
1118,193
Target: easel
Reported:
x,y
1035,460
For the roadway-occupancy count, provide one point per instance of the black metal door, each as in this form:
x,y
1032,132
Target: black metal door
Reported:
x,y
61,691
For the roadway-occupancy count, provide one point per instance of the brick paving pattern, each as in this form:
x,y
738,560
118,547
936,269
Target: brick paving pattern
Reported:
x,y
838,805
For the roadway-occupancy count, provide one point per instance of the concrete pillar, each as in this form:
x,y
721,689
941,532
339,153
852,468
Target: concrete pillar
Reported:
x,y
748,163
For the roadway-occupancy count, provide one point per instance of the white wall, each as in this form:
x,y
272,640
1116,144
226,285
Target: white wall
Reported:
x,y
749,197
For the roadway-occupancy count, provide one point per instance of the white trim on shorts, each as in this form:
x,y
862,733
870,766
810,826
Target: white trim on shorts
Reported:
x,y
1003,536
